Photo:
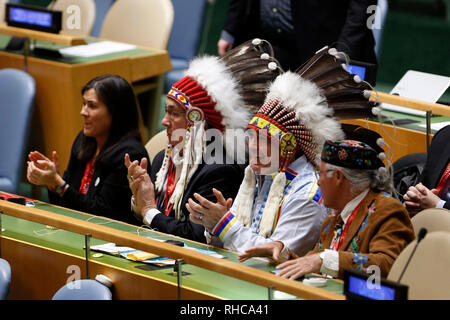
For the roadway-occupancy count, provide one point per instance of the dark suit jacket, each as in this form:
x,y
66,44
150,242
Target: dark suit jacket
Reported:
x,y
437,159
109,193
316,24
224,177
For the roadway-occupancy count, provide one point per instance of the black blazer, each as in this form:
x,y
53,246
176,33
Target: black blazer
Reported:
x,y
317,23
109,193
438,158
224,177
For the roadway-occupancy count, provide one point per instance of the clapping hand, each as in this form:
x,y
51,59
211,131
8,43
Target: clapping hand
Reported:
x,y
140,184
42,171
206,212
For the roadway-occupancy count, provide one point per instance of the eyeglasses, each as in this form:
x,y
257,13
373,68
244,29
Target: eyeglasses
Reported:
x,y
318,173
174,114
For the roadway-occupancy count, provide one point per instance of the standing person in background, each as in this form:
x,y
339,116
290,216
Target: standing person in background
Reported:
x,y
298,28
95,180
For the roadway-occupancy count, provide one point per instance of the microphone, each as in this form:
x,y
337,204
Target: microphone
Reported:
x,y
420,236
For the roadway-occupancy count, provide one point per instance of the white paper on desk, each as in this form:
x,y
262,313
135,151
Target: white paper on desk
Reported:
x,y
436,126
96,49
110,248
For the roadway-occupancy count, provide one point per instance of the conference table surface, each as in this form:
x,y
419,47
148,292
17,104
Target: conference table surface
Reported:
x,y
198,279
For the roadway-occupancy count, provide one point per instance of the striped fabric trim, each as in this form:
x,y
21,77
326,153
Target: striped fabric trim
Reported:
x,y
224,225
316,194
290,175
277,217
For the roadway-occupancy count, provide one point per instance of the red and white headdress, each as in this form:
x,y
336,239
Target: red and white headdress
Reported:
x,y
220,93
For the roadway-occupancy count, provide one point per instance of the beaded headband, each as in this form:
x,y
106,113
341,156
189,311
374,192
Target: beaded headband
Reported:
x,y
351,154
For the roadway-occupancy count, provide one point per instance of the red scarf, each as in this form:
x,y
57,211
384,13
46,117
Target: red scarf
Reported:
x,y
86,181
169,188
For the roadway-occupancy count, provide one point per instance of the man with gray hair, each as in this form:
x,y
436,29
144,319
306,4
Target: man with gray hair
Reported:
x,y
366,227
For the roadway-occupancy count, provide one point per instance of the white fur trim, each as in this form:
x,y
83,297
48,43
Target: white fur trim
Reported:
x,y
215,77
246,194
272,203
310,107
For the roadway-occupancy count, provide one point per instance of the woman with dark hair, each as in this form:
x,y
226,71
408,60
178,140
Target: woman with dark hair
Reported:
x,y
96,179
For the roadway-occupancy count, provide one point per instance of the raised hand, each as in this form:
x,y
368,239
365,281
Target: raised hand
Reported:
x,y
206,212
43,172
140,184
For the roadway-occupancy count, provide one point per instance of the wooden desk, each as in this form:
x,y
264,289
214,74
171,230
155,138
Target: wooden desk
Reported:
x,y
39,258
56,120
39,35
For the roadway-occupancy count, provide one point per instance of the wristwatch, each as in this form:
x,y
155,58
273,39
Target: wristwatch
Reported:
x,y
59,190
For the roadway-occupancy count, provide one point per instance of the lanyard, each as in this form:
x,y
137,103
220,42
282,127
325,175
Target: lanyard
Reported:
x,y
170,188
444,178
337,243
87,177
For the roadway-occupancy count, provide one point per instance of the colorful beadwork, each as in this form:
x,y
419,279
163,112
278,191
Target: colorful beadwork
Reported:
x,y
351,154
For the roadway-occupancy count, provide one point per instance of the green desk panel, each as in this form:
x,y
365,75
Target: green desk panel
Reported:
x,y
200,279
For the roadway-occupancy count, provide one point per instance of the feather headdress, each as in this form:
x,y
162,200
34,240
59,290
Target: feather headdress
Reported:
x,y
301,112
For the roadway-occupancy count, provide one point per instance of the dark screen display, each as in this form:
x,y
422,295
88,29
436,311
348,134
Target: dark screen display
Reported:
x,y
359,286
37,18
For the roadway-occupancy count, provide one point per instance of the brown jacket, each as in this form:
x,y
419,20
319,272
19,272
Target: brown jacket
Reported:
x,y
380,230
